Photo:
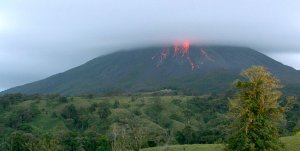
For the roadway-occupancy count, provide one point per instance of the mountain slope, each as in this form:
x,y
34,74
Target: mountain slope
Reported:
x,y
192,69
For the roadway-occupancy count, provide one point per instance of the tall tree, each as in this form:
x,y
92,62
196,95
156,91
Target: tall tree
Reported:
x,y
256,110
136,132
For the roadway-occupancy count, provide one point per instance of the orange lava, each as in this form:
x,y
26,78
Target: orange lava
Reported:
x,y
183,51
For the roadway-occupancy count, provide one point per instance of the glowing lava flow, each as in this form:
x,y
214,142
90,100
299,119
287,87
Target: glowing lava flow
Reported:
x,y
191,62
185,48
206,54
182,52
164,54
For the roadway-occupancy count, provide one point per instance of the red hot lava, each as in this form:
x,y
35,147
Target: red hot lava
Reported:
x,y
183,51
185,48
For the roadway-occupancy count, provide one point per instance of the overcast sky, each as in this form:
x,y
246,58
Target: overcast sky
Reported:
x,y
39,38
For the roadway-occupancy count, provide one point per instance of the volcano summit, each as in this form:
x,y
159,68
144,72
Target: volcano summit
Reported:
x,y
191,69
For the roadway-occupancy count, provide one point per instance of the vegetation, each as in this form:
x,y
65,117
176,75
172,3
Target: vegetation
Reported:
x,y
76,123
291,144
133,122
256,110
194,147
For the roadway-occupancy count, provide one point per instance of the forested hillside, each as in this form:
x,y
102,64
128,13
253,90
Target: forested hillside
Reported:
x,y
53,122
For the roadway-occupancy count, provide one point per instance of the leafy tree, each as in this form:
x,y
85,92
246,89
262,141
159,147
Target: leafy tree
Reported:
x,y
47,142
292,115
70,141
92,107
69,111
103,144
62,99
118,139
75,119
104,110
81,123
16,141
20,141
186,136
135,132
93,141
187,115
22,115
116,104
256,110
180,137
154,110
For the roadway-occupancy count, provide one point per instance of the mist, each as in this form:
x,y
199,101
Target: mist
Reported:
x,y
41,38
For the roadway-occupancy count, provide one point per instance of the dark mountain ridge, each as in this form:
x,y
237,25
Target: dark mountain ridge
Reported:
x,y
192,69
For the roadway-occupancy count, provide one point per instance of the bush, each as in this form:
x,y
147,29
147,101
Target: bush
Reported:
x,y
69,111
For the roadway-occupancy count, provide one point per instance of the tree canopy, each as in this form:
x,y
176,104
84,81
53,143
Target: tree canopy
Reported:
x,y
256,110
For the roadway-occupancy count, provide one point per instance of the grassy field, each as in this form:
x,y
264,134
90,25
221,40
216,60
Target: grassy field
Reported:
x,y
292,143
194,147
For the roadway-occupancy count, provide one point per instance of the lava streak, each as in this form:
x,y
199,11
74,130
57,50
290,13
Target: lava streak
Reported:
x,y
164,54
206,54
176,50
191,62
185,48
182,52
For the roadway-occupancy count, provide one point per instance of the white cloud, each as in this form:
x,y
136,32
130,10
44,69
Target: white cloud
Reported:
x,y
39,38
5,23
290,59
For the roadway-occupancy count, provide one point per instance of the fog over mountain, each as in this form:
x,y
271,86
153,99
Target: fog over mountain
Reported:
x,y
41,38
187,69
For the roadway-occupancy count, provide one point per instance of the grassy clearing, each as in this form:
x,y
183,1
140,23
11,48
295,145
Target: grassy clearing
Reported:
x,y
292,143
194,147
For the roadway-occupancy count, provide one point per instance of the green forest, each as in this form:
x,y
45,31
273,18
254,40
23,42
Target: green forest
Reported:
x,y
53,122
148,120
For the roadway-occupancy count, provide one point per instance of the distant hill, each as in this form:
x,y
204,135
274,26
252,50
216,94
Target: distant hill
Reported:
x,y
191,69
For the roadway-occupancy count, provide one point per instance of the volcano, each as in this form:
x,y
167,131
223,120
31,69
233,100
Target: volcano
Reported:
x,y
191,69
